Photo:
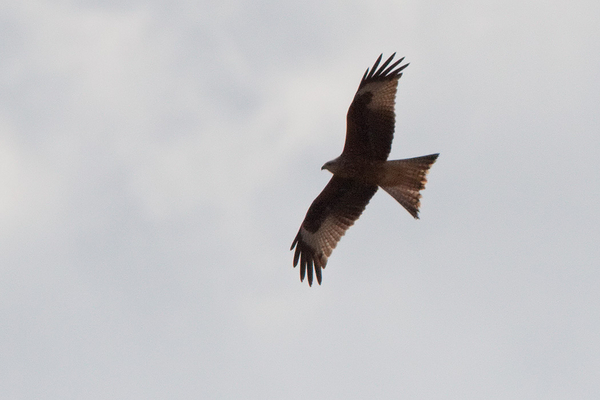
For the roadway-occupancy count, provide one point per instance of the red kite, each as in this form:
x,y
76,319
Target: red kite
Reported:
x,y
360,170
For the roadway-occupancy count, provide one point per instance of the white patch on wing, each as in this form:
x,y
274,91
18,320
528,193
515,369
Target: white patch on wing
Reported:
x,y
384,94
326,238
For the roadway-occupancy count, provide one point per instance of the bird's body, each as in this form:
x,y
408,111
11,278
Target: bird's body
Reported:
x,y
360,170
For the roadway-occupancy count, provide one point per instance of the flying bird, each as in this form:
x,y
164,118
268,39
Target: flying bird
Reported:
x,y
360,170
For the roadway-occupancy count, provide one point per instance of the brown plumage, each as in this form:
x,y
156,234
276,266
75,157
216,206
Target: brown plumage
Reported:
x,y
360,170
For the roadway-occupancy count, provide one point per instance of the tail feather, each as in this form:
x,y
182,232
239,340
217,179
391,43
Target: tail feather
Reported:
x,y
404,179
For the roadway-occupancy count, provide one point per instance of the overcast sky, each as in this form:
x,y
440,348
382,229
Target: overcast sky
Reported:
x,y
158,157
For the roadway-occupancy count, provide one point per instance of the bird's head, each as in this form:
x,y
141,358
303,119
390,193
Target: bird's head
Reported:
x,y
332,166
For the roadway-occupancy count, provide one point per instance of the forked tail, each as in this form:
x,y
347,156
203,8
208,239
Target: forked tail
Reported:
x,y
404,179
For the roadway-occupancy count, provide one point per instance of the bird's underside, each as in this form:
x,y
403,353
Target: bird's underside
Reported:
x,y
360,170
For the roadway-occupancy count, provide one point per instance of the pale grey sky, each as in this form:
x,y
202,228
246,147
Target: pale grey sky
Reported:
x,y
157,159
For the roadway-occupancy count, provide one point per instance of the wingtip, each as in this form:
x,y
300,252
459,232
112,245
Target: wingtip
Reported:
x,y
318,273
385,70
374,68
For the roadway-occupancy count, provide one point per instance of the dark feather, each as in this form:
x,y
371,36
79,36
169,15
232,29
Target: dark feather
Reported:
x,y
384,72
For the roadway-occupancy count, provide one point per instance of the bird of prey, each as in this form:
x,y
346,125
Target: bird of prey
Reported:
x,y
360,170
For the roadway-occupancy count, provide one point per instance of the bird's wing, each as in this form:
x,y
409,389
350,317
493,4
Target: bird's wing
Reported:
x,y
371,118
329,216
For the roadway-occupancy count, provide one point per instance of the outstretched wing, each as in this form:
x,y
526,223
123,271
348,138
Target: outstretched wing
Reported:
x,y
371,118
329,216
